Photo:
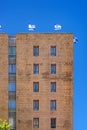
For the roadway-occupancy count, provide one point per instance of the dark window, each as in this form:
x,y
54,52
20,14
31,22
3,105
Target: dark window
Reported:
x,y
36,87
53,86
12,51
12,95
36,123
36,69
12,60
12,78
53,50
12,114
53,68
12,104
12,68
53,122
36,50
53,105
12,74
36,105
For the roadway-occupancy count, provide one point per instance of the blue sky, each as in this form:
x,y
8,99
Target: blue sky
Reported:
x,y
15,15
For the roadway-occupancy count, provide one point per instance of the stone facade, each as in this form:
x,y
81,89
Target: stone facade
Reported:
x,y
63,78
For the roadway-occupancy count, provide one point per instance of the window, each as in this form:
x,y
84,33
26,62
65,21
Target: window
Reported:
x,y
35,105
12,114
11,41
12,95
12,68
36,123
36,87
53,105
36,69
12,86
53,68
53,50
53,87
12,60
12,78
12,74
12,122
36,50
12,51
53,122
12,104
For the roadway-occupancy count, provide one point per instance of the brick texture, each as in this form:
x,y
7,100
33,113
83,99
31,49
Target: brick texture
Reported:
x,y
3,76
25,79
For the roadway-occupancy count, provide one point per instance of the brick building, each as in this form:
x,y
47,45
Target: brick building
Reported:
x,y
36,81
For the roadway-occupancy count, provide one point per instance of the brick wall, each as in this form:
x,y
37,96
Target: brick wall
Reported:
x,y
63,79
3,76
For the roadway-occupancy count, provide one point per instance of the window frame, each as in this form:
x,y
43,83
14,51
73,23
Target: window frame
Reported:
x,y
36,124
53,68
35,86
53,51
35,50
36,105
53,122
36,69
53,87
53,105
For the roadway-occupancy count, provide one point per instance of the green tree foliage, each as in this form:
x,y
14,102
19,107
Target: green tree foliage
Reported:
x,y
4,125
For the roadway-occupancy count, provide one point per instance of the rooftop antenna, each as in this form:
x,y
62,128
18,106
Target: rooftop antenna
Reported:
x,y
75,40
57,27
31,27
